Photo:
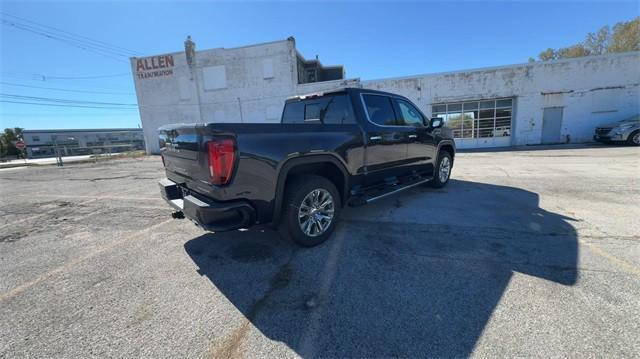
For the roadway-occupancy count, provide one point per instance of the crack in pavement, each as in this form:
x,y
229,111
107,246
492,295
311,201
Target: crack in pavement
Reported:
x,y
44,214
66,267
230,346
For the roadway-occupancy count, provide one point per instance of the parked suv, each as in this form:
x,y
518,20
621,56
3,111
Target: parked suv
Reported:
x,y
627,131
345,147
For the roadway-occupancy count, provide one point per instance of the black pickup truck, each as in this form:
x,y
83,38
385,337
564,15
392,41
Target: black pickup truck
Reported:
x,y
345,147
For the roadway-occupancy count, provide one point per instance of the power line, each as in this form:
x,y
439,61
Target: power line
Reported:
x,y
43,77
67,90
70,33
86,77
66,113
67,41
102,48
99,51
60,100
60,105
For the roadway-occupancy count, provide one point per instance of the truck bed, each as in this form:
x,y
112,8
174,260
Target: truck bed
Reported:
x,y
261,150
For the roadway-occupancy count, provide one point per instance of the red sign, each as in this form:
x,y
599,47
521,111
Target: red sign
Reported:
x,y
155,66
20,145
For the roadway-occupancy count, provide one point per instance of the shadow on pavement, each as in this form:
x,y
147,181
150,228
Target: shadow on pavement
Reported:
x,y
379,289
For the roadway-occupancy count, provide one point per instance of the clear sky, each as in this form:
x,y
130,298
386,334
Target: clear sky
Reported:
x,y
371,39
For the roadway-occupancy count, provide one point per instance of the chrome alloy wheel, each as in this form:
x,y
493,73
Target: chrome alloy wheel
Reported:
x,y
316,212
445,169
636,138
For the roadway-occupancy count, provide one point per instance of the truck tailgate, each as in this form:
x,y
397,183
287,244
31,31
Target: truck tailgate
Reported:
x,y
182,153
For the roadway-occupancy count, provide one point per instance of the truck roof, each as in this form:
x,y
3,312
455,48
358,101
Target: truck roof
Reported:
x,y
339,90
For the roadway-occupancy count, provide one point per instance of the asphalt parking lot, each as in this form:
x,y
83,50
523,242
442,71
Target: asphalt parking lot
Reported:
x,y
525,254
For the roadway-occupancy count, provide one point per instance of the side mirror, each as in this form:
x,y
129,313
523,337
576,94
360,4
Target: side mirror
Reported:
x,y
436,122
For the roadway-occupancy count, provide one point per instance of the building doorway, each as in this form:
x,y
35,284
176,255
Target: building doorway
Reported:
x,y
552,125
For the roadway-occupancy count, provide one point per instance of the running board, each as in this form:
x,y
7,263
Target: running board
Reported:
x,y
362,200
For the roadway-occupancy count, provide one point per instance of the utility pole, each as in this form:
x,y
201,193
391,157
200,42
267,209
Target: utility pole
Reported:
x,y
190,53
57,152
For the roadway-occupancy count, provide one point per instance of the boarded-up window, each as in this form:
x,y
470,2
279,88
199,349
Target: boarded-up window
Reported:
x,y
267,68
215,77
605,100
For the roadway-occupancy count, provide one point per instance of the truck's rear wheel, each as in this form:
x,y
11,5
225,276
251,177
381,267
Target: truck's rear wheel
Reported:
x,y
310,210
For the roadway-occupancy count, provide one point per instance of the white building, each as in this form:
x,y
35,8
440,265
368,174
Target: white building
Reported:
x,y
533,103
71,142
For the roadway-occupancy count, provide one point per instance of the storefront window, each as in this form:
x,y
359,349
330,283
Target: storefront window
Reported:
x,y
474,119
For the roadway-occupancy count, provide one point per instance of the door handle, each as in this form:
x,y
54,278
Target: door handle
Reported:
x,y
413,136
375,138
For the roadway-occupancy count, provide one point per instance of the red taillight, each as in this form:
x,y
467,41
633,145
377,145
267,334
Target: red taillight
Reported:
x,y
221,158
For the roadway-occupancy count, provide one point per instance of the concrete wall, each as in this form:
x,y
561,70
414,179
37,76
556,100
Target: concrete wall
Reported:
x,y
257,80
250,84
592,90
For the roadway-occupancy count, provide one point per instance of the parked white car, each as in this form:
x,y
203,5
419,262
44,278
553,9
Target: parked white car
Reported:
x,y
627,130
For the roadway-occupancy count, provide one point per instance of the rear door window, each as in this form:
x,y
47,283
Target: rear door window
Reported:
x,y
332,109
380,110
338,110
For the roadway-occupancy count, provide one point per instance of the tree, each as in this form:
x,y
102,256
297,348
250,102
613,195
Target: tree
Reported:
x,y
3,149
7,141
624,37
572,51
548,54
596,43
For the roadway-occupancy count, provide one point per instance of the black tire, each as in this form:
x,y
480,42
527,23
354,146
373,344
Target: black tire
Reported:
x,y
297,190
437,181
634,138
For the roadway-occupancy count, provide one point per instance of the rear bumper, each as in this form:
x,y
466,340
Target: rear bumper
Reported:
x,y
208,214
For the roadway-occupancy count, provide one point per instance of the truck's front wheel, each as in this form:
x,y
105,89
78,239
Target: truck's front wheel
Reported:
x,y
442,171
311,210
